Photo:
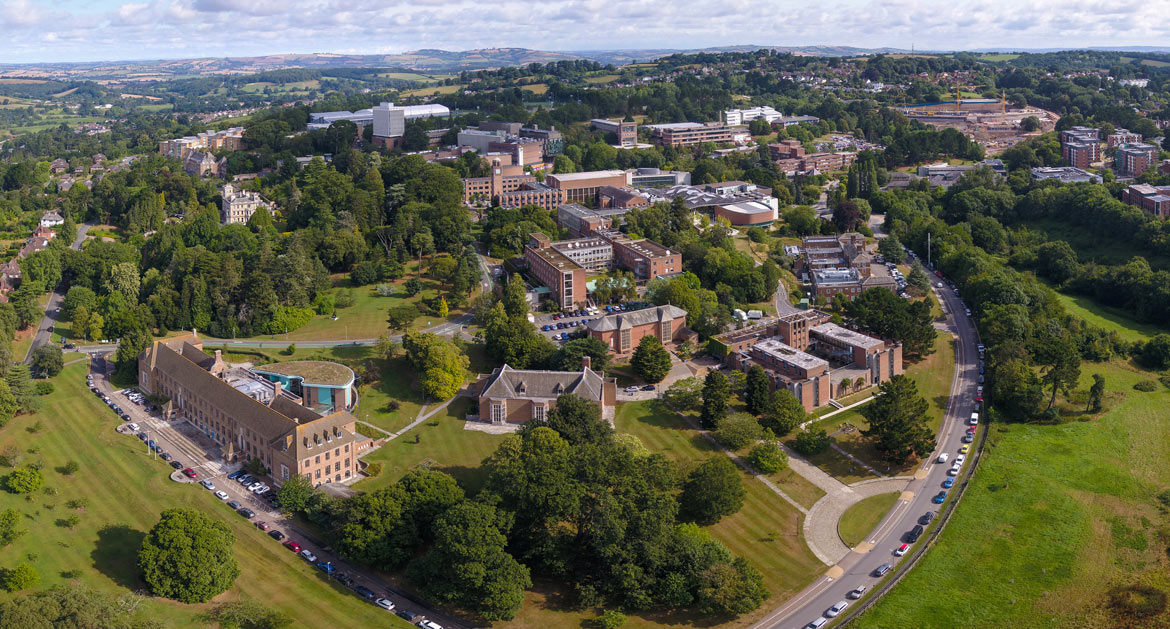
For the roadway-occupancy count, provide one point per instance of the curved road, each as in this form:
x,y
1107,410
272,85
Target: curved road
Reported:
x,y
42,335
857,567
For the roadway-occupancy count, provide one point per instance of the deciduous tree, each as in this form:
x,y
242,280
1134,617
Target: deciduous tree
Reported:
x,y
898,421
712,490
187,556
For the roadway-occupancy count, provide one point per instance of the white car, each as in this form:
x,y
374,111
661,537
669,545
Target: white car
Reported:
x,y
309,556
942,458
858,593
222,495
954,471
836,609
430,624
255,486
631,389
207,484
384,604
132,426
261,489
959,460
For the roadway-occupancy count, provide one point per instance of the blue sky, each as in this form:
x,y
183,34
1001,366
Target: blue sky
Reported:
x,y
97,30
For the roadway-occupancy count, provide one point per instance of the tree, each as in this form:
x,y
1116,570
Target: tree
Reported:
x,y
399,317
716,391
414,138
9,405
712,490
570,357
738,430
80,319
575,419
248,614
846,216
783,413
1055,349
294,494
443,309
918,278
685,394
22,577
650,361
412,287
48,360
468,564
768,458
10,529
1096,393
70,468
731,589
187,556
810,442
1155,354
20,385
757,390
898,421
23,480
440,365
891,249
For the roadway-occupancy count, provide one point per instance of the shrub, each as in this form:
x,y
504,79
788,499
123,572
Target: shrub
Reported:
x,y
374,469
24,480
386,290
78,503
44,388
768,458
810,442
611,619
345,299
70,468
738,430
1137,601
21,577
1146,386
10,457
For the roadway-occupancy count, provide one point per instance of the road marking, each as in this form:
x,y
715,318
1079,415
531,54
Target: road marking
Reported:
x,y
888,523
813,590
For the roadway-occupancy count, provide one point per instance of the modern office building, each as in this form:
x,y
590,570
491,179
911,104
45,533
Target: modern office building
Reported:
x,y
324,119
583,187
322,385
564,277
209,141
656,178
747,213
1135,159
1065,174
1080,147
249,416
390,121
626,132
734,117
840,264
622,331
582,221
692,133
643,257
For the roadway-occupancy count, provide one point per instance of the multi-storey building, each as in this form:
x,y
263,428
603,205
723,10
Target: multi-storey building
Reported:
x,y
817,162
564,277
644,258
626,132
509,186
237,206
390,121
582,221
1135,159
1153,199
1064,174
1122,136
208,141
692,133
325,119
249,416
515,396
562,265
622,331
1080,146
841,264
741,116
204,164
583,187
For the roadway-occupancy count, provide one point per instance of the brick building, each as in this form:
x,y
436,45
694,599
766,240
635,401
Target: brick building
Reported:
x,y
692,133
626,132
622,331
1080,146
564,277
1153,199
249,416
515,396
209,141
583,187
1135,159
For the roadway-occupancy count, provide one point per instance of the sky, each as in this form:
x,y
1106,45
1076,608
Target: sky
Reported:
x,y
106,30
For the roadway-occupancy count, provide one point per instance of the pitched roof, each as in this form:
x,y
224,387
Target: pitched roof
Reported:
x,y
623,320
506,382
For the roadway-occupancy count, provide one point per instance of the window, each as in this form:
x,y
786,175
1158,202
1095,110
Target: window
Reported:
x,y
538,412
347,447
625,340
318,459
337,451
347,464
283,471
326,456
317,474
497,413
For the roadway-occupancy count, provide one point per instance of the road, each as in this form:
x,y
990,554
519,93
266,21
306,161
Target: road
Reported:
x,y
43,335
184,443
857,567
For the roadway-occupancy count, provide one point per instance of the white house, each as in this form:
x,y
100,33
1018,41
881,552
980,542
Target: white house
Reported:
x,y
51,219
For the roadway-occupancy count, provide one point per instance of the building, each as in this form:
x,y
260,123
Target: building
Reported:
x,y
390,120
582,221
622,331
810,356
788,121
515,396
1065,174
692,133
203,164
583,187
509,186
656,178
1080,146
815,163
840,264
564,277
1153,199
1122,136
626,132
592,253
747,213
619,198
946,175
644,258
58,166
249,416
322,386
523,151
237,206
786,149
732,117
51,219
227,140
550,139
706,198
1135,159
324,119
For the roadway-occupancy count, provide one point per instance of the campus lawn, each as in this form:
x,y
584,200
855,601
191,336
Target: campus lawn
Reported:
x,y
126,490
398,384
1055,518
1111,319
861,518
442,444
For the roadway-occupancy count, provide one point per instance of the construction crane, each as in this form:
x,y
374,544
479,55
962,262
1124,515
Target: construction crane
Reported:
x,y
958,100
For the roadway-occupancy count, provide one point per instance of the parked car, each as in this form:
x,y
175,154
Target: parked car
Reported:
x,y
881,570
233,504
309,556
343,578
939,498
836,609
293,546
166,456
969,437
817,624
236,474
246,512
858,592
189,473
384,603
254,486
276,535
207,484
364,592
407,615
263,490
133,426
430,624
631,389
942,458
222,495
948,483
926,518
142,436
648,387
326,567
262,525
901,550
176,464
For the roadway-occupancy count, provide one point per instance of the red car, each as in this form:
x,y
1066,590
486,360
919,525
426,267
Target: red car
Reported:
x,y
972,430
293,546
979,399
262,525
189,473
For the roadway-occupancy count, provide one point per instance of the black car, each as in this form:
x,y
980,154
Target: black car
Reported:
x,y
142,436
94,389
407,614
926,518
914,534
648,387
247,513
166,456
176,464
364,592
276,535
343,577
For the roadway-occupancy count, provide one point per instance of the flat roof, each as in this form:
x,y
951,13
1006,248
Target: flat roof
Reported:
x,y
836,276
748,207
319,372
592,174
844,336
776,348
556,258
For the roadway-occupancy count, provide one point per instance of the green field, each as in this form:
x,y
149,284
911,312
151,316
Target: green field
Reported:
x,y
997,56
862,517
1111,319
126,490
604,78
431,91
1055,518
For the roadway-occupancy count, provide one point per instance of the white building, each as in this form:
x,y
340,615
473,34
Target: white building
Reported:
x,y
734,117
322,119
51,219
238,206
390,119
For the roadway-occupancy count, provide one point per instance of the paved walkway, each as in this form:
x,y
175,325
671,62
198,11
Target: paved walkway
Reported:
x,y
840,410
820,527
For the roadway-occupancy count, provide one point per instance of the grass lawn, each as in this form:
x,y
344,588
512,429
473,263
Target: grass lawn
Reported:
x,y
862,517
398,384
126,490
431,91
933,375
1111,319
1056,517
442,444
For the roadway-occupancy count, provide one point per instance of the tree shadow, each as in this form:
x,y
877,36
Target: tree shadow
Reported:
x,y
115,554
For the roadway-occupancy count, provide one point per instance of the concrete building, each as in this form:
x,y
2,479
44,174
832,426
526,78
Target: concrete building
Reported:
x,y
656,178
227,140
1153,199
390,121
622,331
515,396
582,221
583,187
323,119
237,206
707,197
1080,147
523,151
563,265
564,277
1065,174
248,416
946,175
692,133
816,163
626,132
1135,159
733,117
592,253
840,264
322,386
551,140
620,198
747,213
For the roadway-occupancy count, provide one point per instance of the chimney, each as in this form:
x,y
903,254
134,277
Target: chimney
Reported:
x,y
586,362
275,391
219,356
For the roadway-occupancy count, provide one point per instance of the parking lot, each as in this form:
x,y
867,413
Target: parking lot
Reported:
x,y
560,327
188,449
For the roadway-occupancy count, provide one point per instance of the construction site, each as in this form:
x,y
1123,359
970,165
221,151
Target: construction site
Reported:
x,y
991,122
